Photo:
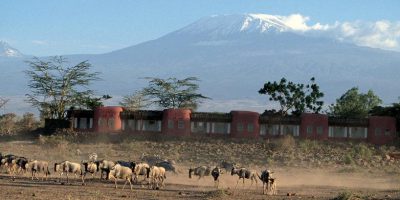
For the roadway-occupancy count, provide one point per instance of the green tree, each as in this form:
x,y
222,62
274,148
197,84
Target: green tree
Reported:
x,y
174,93
135,101
354,104
55,86
295,97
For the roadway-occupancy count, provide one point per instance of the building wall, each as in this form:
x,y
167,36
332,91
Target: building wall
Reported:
x,y
381,130
176,122
314,126
245,124
107,119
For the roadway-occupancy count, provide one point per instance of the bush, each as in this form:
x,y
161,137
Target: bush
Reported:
x,y
348,159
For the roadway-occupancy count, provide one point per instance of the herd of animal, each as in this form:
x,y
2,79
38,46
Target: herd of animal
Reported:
x,y
154,175
269,183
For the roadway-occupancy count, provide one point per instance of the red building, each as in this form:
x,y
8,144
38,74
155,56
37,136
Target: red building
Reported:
x,y
239,124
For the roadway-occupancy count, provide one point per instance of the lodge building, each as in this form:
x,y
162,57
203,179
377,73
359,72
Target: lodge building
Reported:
x,y
238,124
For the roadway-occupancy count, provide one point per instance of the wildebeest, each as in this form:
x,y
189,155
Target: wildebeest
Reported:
x,y
265,177
167,165
105,166
141,169
227,166
157,176
215,173
69,167
200,171
121,172
244,173
37,166
90,167
129,164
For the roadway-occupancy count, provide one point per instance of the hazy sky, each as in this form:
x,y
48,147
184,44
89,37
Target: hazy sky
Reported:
x,y
48,27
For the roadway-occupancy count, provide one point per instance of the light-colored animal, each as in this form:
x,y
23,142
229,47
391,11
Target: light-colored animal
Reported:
x,y
37,166
200,171
121,172
141,169
244,173
69,167
215,173
265,177
157,176
105,166
272,186
90,167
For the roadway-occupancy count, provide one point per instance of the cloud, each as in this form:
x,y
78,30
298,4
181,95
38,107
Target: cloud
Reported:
x,y
40,42
298,22
380,34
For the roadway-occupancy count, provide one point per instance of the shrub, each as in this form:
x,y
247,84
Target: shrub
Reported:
x,y
348,160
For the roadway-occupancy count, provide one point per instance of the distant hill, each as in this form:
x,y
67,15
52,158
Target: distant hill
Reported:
x,y
234,55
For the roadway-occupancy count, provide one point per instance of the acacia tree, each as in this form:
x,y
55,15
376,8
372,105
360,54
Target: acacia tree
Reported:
x,y
174,93
135,101
295,97
355,104
55,86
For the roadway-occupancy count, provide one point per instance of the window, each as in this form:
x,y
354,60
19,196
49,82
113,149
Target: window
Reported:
x,y
111,123
250,128
378,131
320,130
240,127
387,132
170,124
309,130
181,124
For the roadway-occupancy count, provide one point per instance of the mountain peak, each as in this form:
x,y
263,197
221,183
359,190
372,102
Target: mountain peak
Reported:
x,y
248,23
7,51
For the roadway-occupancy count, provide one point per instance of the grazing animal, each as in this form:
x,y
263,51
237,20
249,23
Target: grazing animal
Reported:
x,y
141,169
157,176
21,162
215,173
272,186
129,164
265,177
121,172
69,167
244,173
200,171
227,166
90,167
37,166
167,164
105,166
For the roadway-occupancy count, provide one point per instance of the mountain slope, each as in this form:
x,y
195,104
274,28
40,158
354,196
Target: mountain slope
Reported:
x,y
234,55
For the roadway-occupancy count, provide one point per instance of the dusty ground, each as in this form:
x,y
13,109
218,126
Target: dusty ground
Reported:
x,y
305,185
312,183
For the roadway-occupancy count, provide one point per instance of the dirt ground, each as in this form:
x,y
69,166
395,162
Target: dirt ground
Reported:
x,y
302,183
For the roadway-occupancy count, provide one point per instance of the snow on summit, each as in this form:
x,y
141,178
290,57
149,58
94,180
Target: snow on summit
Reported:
x,y
251,23
7,51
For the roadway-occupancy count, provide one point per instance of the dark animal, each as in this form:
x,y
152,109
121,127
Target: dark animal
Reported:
x,y
227,166
200,171
167,165
127,164
215,173
265,177
244,173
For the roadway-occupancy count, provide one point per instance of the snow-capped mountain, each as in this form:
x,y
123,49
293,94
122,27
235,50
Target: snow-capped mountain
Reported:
x,y
234,55
7,51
